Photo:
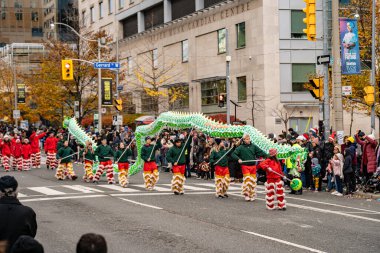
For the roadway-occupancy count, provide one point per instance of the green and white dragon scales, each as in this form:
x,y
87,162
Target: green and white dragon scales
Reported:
x,y
80,135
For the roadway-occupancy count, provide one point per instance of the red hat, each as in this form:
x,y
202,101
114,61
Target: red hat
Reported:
x,y
332,136
306,136
314,130
272,152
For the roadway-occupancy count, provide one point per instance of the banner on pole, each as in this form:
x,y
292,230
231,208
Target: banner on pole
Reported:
x,y
106,91
349,40
21,93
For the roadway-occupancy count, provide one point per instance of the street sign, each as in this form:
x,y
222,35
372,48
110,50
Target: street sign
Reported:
x,y
346,90
96,116
104,110
107,65
323,59
16,114
120,87
76,103
24,124
117,120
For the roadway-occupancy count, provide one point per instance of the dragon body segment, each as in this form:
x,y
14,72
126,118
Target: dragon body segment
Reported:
x,y
181,120
77,131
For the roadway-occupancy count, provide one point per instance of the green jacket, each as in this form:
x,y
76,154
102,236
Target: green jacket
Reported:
x,y
88,156
124,157
173,154
60,144
63,152
247,152
216,155
146,151
104,153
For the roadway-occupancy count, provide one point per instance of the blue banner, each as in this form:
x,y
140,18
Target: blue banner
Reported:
x,y
349,40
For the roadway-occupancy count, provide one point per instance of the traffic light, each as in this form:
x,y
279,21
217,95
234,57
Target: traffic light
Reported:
x,y
221,99
317,91
119,104
370,97
310,20
67,70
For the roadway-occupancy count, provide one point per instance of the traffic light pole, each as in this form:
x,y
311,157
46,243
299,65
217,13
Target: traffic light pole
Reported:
x,y
326,95
228,60
99,91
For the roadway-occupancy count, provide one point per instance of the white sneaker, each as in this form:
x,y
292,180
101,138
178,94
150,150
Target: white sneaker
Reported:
x,y
339,194
334,193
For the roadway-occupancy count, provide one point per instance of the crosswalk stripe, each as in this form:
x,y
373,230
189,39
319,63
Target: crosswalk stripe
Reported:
x,y
157,188
118,188
46,191
231,187
20,195
193,188
81,188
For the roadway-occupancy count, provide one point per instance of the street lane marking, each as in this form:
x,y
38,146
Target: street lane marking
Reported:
x,y
159,193
283,242
61,198
81,188
46,191
118,188
230,187
193,188
156,188
141,204
20,195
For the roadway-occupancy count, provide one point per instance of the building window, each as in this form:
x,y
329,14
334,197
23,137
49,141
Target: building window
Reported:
x,y
155,58
37,32
300,75
240,35
182,102
297,24
148,103
210,91
101,9
221,41
154,16
18,15
300,125
111,6
35,16
92,14
181,8
185,51
242,88
130,65
84,18
18,5
121,4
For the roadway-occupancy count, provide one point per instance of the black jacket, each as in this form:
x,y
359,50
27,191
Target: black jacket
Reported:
x,y
347,166
15,220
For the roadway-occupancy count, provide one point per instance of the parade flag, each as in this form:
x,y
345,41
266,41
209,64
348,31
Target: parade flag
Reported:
x,y
106,91
21,93
349,40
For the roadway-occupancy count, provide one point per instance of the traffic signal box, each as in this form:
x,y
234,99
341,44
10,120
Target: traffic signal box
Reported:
x,y
67,70
310,20
317,91
370,97
119,104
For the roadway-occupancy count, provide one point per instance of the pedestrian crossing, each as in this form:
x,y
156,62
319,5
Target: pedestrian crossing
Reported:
x,y
60,190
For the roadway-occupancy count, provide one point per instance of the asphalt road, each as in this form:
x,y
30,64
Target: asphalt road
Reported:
x,y
133,220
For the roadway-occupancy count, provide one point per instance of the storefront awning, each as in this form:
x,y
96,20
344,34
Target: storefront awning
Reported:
x,y
145,120
209,79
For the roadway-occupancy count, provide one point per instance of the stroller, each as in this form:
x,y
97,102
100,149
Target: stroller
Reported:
x,y
373,184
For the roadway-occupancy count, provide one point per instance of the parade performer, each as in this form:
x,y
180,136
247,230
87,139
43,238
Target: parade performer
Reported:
x,y
274,186
104,153
26,155
246,154
51,151
176,157
88,154
218,158
150,174
36,151
16,153
121,157
294,167
6,152
64,157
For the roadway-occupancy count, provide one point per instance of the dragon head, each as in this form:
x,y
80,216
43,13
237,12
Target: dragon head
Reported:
x,y
65,122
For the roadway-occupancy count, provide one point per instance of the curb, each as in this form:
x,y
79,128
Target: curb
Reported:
x,y
367,195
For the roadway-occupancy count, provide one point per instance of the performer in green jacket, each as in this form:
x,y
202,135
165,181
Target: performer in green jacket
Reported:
x,y
219,160
64,157
123,164
104,153
88,155
151,174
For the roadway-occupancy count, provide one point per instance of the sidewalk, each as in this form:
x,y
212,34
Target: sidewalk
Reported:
x,y
367,195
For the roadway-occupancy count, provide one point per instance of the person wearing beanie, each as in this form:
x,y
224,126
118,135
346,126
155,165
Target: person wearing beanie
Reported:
x,y
369,163
15,218
176,156
219,160
316,172
27,244
50,147
35,138
274,186
5,146
121,156
104,153
245,154
26,155
148,154
64,157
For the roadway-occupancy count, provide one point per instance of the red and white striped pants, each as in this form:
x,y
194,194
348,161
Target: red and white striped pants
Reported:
x,y
275,190
17,163
26,163
107,165
6,160
51,160
36,160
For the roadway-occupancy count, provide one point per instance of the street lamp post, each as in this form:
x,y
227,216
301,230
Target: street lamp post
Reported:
x,y
99,41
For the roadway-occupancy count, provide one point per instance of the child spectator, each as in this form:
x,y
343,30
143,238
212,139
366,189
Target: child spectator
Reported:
x,y
337,168
316,172
348,171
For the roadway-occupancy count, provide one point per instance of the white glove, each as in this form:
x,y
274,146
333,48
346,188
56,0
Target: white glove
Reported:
x,y
270,169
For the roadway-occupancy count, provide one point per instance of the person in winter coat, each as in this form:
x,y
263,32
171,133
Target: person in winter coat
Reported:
x,y
348,171
219,160
16,153
336,164
104,153
64,157
51,151
150,174
316,171
368,166
15,218
35,143
6,152
274,186
26,155
121,157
